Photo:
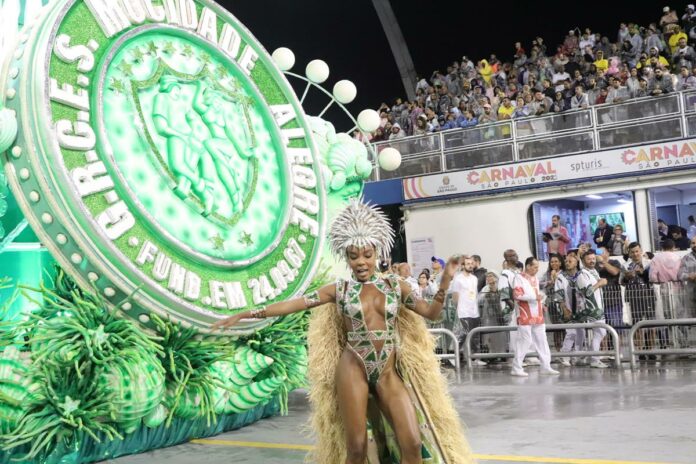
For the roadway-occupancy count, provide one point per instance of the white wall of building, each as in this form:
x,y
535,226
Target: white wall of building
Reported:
x,y
488,225
485,228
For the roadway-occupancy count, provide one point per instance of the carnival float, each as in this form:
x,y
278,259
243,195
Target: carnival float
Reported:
x,y
160,174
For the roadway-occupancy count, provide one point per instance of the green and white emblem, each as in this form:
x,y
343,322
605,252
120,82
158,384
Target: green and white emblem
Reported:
x,y
171,166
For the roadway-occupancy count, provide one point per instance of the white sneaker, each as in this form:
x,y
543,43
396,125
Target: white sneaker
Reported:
x,y
478,362
549,371
533,362
565,362
516,373
598,365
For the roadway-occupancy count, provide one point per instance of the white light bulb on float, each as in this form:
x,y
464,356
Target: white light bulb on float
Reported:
x,y
389,159
368,120
345,92
317,71
284,58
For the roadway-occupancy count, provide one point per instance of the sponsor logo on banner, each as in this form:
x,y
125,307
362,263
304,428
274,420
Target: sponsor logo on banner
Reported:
x,y
587,166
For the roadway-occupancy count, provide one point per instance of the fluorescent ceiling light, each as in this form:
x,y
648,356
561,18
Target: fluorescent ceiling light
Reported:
x,y
623,200
594,197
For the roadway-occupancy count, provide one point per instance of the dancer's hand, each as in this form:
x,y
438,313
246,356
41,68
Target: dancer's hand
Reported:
x,y
227,322
451,268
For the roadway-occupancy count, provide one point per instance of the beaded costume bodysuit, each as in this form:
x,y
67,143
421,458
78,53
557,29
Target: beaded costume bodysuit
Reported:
x,y
361,340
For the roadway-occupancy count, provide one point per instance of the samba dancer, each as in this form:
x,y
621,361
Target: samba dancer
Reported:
x,y
371,356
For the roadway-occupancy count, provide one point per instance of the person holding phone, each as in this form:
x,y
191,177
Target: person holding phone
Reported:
x,y
618,243
556,237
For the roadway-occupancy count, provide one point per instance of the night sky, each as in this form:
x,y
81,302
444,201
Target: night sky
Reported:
x,y
349,37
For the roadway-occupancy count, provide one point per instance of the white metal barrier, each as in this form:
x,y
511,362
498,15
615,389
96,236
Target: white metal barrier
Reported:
x,y
633,352
616,351
445,355
611,125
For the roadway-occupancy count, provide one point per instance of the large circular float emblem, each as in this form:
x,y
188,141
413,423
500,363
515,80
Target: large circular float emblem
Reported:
x,y
164,159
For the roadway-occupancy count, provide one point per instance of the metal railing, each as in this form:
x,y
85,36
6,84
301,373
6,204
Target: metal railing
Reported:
x,y
445,354
470,357
633,352
641,120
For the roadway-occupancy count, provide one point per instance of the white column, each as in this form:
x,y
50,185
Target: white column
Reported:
x,y
640,201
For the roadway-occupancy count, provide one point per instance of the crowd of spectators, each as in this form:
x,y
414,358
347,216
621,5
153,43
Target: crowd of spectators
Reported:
x,y
588,68
589,283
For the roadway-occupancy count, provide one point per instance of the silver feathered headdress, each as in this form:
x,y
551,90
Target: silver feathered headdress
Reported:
x,y
361,225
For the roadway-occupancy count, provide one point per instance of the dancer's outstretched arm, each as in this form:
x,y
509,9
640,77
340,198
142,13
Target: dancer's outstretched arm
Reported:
x,y
326,294
433,309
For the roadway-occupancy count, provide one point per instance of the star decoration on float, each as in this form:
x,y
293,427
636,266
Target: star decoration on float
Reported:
x,y
187,50
126,68
218,242
245,239
118,86
138,55
152,48
169,48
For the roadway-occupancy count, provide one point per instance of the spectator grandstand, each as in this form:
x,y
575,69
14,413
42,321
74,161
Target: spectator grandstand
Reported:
x,y
586,69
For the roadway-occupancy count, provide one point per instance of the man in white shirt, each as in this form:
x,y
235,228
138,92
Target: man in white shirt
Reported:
x,y
558,77
465,294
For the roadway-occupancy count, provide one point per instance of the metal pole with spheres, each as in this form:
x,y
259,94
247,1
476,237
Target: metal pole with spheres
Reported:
x,y
344,92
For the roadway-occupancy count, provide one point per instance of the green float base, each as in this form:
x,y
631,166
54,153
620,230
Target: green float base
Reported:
x,y
86,450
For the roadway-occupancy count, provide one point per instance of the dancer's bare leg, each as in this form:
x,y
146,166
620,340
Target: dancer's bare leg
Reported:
x,y
395,403
352,392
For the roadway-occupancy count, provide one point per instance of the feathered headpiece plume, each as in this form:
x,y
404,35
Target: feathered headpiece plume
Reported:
x,y
361,225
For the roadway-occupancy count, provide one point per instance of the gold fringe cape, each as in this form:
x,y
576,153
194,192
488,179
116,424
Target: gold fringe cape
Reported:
x,y
416,358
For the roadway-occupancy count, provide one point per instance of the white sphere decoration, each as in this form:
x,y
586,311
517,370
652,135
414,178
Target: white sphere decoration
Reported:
x,y
369,120
345,92
317,71
389,159
284,58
